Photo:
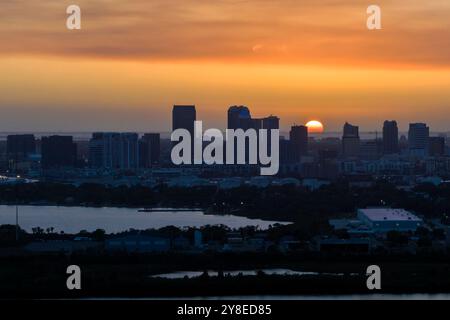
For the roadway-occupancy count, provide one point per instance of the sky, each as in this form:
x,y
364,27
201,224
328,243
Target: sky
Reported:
x,y
297,59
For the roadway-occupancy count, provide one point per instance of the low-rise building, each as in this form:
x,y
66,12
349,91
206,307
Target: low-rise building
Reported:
x,y
137,243
388,219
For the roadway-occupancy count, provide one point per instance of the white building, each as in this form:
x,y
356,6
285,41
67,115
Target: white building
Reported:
x,y
387,219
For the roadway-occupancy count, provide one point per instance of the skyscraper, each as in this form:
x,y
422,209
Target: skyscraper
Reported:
x,y
298,139
104,150
183,117
149,150
19,146
239,118
271,122
113,150
350,141
418,135
58,151
436,146
390,137
129,150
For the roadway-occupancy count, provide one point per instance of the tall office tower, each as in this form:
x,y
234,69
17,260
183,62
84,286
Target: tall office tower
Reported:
x,y
350,141
271,122
436,146
370,149
390,137
328,165
113,150
298,139
104,150
129,150
418,135
183,117
58,151
97,150
239,118
149,150
19,146
285,151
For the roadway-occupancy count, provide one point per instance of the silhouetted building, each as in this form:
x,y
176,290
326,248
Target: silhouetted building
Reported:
x,y
150,150
183,117
298,138
436,146
418,135
239,117
390,137
270,123
328,166
129,150
350,141
58,151
113,150
285,151
104,151
370,149
19,146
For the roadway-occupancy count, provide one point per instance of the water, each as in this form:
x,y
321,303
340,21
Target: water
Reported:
x,y
369,296
375,296
74,219
194,274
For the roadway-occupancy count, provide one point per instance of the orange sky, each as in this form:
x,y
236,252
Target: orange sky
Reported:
x,y
298,59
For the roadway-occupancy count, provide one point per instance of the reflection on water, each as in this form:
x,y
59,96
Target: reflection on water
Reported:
x,y
286,272
74,219
375,296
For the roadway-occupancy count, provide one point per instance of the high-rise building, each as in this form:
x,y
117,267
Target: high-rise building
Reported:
x,y
113,150
271,122
129,150
370,149
298,139
350,141
58,151
183,117
436,146
239,117
149,150
418,135
390,137
19,146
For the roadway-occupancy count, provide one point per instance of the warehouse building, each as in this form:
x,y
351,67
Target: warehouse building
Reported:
x,y
387,219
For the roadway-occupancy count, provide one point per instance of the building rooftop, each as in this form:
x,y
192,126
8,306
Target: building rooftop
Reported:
x,y
389,214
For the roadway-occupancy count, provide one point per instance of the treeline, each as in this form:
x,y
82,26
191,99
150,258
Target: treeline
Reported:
x,y
109,276
289,203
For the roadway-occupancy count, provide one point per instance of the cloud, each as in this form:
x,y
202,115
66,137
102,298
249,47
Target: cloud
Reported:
x,y
415,33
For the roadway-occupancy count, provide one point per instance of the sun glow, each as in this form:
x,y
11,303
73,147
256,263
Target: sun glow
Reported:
x,y
315,126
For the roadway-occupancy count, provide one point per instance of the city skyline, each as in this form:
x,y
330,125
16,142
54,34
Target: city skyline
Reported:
x,y
130,63
402,129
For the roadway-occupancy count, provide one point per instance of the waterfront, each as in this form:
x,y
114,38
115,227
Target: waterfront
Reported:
x,y
376,296
233,273
74,219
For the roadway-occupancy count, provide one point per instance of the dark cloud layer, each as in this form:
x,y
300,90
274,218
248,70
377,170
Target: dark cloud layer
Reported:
x,y
284,31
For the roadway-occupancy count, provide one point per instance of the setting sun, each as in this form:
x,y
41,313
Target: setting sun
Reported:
x,y
315,126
